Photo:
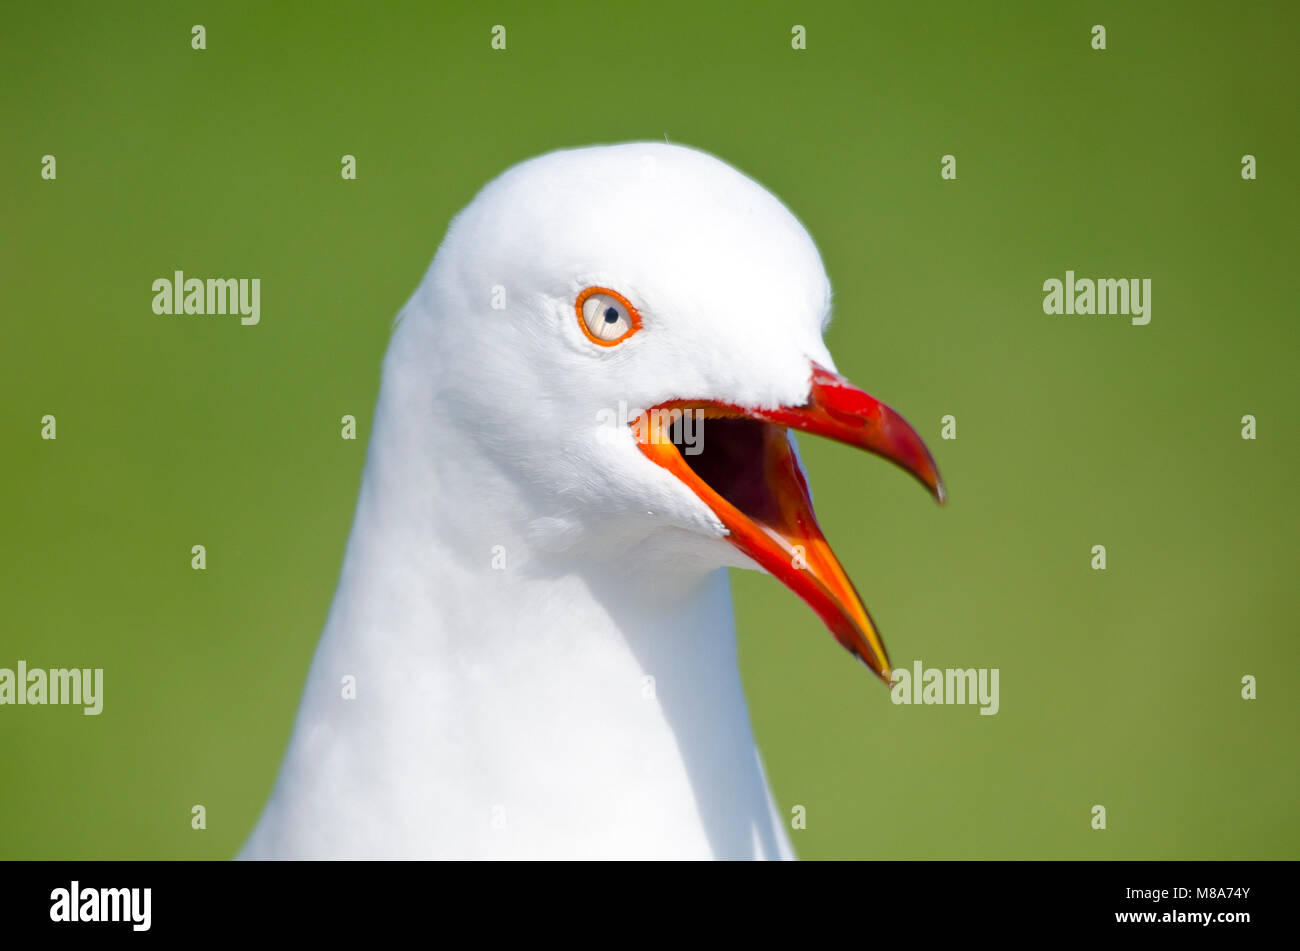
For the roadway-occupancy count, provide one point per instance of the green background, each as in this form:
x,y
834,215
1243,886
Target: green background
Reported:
x,y
1119,688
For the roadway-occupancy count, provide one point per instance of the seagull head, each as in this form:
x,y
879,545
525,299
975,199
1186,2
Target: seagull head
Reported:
x,y
633,334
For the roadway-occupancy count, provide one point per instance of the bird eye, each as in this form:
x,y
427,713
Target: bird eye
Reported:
x,y
606,317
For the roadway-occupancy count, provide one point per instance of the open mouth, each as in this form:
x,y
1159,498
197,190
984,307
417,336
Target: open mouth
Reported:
x,y
747,472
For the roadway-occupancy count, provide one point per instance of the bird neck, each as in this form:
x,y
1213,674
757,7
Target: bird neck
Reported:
x,y
510,699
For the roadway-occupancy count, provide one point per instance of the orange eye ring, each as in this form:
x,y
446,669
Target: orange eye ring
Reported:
x,y
629,314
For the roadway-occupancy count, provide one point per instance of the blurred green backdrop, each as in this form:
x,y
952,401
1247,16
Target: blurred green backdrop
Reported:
x,y
1119,687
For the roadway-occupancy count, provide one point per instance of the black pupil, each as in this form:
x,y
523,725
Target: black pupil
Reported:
x,y
611,315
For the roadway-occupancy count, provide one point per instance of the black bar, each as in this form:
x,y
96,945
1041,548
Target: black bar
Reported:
x,y
878,900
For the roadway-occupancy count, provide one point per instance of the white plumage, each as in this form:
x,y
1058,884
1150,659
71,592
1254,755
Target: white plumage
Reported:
x,y
504,711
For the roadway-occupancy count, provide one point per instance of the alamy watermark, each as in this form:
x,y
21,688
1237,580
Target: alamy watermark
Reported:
x,y
75,686
946,685
684,427
129,905
1105,296
215,296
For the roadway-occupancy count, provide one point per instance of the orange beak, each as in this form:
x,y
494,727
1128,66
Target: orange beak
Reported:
x,y
749,476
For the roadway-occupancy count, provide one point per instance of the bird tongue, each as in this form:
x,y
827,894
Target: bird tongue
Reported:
x,y
750,477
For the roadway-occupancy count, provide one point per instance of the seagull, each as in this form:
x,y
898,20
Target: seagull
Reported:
x,y
586,415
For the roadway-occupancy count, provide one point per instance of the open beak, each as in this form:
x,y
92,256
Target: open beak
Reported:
x,y
746,471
